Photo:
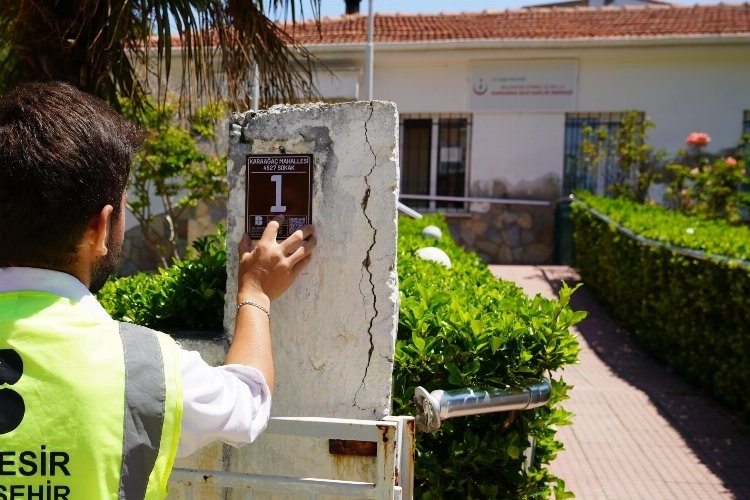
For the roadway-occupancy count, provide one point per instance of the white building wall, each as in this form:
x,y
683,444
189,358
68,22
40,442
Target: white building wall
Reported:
x,y
681,87
434,87
516,154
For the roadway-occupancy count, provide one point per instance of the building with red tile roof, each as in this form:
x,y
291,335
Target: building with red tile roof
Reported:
x,y
533,24
493,104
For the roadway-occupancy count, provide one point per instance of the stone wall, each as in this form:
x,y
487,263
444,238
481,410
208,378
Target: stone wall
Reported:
x,y
507,233
498,233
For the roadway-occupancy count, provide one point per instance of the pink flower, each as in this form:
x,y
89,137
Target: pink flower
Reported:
x,y
731,162
697,139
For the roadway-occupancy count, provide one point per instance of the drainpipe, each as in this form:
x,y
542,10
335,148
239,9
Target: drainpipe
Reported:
x,y
440,405
255,87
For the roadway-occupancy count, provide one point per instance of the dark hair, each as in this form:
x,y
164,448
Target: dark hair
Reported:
x,y
64,155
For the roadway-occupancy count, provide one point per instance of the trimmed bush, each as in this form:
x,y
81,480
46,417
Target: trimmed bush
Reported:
x,y
461,327
677,283
187,296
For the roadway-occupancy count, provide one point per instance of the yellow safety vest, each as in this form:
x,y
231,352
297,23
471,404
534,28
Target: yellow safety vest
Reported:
x,y
89,409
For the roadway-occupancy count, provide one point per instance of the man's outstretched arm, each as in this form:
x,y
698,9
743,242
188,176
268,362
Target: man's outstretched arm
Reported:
x,y
266,269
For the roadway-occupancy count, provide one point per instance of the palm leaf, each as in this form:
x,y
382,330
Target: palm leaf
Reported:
x,y
126,47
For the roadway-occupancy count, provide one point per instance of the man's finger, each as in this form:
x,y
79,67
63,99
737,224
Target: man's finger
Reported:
x,y
297,238
304,250
272,229
301,265
245,245
307,231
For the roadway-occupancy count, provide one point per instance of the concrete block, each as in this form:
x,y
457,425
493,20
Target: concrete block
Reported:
x,y
334,330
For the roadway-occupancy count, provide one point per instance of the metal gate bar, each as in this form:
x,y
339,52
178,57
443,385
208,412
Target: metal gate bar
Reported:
x,y
394,461
255,483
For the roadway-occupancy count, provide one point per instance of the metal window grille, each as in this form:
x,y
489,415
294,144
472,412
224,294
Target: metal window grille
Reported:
x,y
579,127
744,151
435,159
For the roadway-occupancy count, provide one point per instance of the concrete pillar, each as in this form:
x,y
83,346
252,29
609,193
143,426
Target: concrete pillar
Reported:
x,y
334,330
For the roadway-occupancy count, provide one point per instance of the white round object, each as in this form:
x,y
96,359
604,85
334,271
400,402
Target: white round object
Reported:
x,y
432,232
435,255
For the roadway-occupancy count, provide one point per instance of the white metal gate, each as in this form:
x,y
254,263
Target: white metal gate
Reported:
x,y
393,437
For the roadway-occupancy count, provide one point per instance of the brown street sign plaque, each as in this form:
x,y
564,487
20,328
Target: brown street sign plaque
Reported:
x,y
278,184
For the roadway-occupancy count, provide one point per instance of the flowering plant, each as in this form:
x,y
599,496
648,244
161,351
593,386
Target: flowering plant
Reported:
x,y
697,139
709,186
635,163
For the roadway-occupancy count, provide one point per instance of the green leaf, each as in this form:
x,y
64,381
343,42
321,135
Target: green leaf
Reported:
x,y
419,342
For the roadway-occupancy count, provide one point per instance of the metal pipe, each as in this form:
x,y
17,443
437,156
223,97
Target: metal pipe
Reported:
x,y
370,55
469,199
518,43
409,211
256,87
439,405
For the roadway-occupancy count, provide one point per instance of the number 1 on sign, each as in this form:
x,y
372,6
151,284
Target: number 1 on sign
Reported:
x,y
278,207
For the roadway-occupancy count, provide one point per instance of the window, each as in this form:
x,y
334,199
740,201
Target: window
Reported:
x,y
746,122
575,173
434,161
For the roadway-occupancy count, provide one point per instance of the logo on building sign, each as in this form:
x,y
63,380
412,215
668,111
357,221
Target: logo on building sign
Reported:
x,y
523,85
480,88
13,407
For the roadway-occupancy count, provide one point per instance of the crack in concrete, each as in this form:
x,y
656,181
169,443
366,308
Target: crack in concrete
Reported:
x,y
367,262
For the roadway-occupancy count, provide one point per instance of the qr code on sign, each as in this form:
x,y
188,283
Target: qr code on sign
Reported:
x,y
296,223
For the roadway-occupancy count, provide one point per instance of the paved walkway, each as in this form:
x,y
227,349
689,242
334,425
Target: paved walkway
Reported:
x,y
639,431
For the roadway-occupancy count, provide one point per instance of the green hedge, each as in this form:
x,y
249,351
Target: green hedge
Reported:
x,y
187,296
461,327
458,328
679,284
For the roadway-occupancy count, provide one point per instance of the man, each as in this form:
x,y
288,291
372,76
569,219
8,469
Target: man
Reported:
x,y
91,408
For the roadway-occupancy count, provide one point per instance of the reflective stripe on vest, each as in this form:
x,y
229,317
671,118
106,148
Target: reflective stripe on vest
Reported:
x,y
144,410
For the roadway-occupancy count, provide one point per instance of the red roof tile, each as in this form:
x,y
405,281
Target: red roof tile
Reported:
x,y
533,24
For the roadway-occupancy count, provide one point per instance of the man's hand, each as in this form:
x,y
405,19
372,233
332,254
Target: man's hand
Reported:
x,y
268,267
266,270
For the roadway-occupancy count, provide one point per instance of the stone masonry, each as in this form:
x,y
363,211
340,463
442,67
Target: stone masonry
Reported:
x,y
506,234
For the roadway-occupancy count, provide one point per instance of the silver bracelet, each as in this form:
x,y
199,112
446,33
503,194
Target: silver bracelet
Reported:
x,y
254,304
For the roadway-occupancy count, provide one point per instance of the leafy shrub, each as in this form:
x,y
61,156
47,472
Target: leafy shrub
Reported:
x,y
189,295
715,237
689,309
458,328
172,166
461,327
710,186
636,163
